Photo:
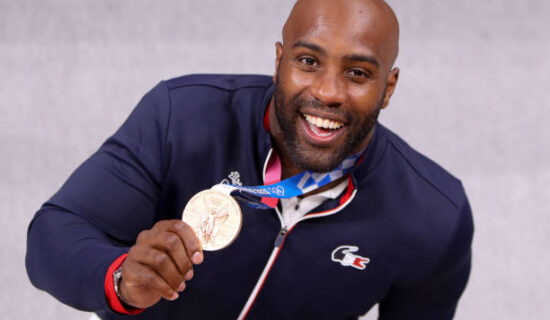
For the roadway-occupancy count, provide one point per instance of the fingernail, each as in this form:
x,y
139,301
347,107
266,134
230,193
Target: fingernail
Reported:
x,y
197,258
182,286
189,275
174,296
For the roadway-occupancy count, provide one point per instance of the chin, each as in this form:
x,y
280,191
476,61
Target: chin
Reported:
x,y
316,160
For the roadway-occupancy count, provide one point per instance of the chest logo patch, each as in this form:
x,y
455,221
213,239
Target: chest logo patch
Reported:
x,y
346,257
235,177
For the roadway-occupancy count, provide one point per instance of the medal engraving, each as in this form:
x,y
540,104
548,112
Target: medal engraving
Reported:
x,y
215,217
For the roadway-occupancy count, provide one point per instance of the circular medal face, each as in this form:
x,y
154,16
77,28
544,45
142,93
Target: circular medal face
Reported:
x,y
215,217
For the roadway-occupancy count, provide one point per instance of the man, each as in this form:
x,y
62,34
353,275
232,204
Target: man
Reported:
x,y
396,231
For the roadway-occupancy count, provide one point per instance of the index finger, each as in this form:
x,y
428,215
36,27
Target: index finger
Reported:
x,y
190,241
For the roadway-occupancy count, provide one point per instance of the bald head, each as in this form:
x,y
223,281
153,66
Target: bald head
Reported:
x,y
369,22
335,64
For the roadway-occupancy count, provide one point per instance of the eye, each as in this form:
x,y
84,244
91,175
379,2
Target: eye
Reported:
x,y
357,75
308,61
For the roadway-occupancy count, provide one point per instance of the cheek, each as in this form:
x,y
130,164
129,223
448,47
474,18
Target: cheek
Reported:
x,y
362,92
301,79
294,81
365,99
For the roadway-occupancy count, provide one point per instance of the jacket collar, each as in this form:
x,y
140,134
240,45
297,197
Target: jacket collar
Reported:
x,y
373,155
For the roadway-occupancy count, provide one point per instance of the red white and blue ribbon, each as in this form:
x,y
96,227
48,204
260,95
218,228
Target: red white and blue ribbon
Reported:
x,y
294,186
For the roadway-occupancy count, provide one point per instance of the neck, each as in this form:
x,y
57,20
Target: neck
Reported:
x,y
288,167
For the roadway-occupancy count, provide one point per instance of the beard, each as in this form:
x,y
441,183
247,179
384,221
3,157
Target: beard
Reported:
x,y
316,159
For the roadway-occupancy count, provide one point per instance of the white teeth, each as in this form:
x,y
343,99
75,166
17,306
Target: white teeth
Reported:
x,y
323,123
319,122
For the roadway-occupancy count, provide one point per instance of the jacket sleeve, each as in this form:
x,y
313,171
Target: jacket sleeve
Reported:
x,y
435,296
99,211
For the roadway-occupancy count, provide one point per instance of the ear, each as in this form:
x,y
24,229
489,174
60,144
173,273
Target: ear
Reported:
x,y
391,82
279,54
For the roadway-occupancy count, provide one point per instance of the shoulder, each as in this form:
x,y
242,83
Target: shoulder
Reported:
x,y
201,92
425,169
429,202
204,88
431,212
224,82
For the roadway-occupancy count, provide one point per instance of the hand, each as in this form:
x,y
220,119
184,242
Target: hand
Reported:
x,y
160,262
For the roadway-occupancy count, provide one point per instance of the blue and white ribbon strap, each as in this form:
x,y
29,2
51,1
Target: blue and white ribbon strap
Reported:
x,y
294,186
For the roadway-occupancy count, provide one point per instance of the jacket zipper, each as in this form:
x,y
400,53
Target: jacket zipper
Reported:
x,y
281,236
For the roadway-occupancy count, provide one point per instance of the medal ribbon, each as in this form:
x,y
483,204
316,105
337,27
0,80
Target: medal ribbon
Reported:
x,y
294,186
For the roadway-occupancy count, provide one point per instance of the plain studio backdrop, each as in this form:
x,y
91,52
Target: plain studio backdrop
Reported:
x,y
473,95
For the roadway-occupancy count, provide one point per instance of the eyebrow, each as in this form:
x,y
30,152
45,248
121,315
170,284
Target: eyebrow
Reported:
x,y
351,57
309,45
362,58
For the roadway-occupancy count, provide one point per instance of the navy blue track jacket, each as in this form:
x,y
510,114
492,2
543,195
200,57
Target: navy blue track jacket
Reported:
x,y
401,236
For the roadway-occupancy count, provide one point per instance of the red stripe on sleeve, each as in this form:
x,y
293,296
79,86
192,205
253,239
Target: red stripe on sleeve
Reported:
x,y
112,299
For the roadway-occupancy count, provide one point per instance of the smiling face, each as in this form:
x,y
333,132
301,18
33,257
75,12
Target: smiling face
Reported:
x,y
333,77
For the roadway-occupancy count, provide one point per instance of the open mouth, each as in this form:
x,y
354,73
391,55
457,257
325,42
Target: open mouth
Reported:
x,y
321,130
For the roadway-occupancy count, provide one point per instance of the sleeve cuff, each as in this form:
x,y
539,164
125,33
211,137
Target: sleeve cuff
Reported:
x,y
112,299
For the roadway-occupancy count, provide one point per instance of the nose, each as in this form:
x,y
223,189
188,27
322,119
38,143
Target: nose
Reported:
x,y
328,89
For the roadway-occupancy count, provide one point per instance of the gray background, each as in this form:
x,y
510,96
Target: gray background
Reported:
x,y
473,95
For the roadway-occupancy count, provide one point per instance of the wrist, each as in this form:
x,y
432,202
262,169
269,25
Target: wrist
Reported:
x,y
117,282
114,299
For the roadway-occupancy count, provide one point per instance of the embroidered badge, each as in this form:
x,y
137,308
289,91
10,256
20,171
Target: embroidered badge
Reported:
x,y
346,257
235,177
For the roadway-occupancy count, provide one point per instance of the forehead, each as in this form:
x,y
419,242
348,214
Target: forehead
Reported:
x,y
343,27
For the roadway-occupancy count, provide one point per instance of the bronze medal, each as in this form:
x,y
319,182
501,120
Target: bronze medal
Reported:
x,y
215,217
